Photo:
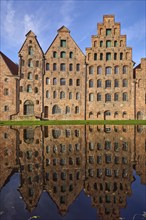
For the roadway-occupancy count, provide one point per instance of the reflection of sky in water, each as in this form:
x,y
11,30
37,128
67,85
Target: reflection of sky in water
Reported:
x,y
12,206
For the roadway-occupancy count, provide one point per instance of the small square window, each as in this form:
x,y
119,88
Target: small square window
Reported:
x,y
63,43
108,32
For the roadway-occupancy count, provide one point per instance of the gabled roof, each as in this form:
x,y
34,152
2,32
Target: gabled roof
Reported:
x,y
63,29
10,64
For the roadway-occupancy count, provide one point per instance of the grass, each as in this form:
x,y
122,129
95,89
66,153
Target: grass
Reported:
x,y
74,122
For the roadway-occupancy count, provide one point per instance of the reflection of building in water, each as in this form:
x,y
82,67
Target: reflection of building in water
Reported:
x,y
31,165
109,168
140,152
64,163
7,153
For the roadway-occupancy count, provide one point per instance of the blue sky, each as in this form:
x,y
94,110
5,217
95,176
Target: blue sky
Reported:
x,y
81,17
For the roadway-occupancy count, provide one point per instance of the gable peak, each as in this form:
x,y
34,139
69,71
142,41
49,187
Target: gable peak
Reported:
x,y
30,33
63,29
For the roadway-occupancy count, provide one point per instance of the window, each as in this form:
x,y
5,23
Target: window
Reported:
x,y
70,82
91,97
21,88
62,81
62,95
101,56
78,67
70,95
99,70
63,54
91,70
71,55
115,56
47,81
36,77
125,96
116,97
77,110
91,84
115,43
108,70
47,94
101,43
36,90
70,67
54,54
108,56
116,70
37,63
29,76
63,43
54,81
78,82
30,50
121,56
125,68
108,32
99,83
125,82
30,63
95,43
22,62
77,96
107,97
56,109
98,96
62,67
95,56
116,83
67,110
47,66
54,66
6,92
29,88
6,108
54,94
107,83
108,43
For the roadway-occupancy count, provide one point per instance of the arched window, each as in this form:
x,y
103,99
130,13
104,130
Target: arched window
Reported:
x,y
29,88
78,67
63,54
54,94
62,67
116,114
29,76
54,66
78,82
62,81
28,108
99,70
115,56
108,70
139,115
91,97
125,96
54,54
30,50
99,83
91,84
124,114
70,82
101,43
62,95
56,109
36,90
30,63
125,82
90,114
115,43
107,83
71,55
54,81
98,96
121,56
77,96
47,66
47,94
107,113
116,97
47,81
67,110
91,70
116,83
70,95
37,63
107,97
36,76
101,56
108,56
77,110
108,43
98,114
70,67
116,70
125,69
95,56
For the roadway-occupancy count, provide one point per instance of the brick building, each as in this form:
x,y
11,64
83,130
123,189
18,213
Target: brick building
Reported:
x,y
63,83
